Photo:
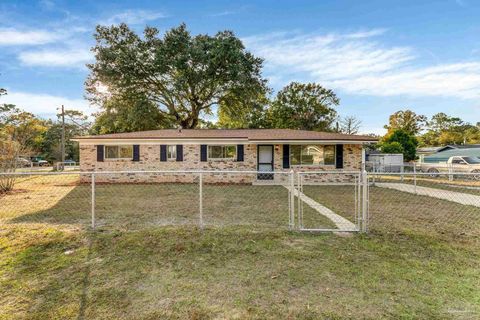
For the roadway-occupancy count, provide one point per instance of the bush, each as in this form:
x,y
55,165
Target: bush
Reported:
x,y
401,138
391,147
9,152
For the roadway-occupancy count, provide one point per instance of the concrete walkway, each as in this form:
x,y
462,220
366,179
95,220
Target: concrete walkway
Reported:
x,y
341,223
458,197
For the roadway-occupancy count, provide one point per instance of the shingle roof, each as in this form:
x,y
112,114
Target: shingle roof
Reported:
x,y
460,146
249,134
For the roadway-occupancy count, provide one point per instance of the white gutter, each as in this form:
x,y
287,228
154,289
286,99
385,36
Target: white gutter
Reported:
x,y
160,141
309,141
118,141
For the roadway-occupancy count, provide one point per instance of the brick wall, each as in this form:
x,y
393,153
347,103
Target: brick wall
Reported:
x,y
150,161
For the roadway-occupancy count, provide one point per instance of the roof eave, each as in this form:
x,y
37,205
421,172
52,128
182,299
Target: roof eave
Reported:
x,y
92,140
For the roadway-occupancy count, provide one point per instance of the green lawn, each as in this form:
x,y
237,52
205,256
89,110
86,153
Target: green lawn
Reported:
x,y
243,265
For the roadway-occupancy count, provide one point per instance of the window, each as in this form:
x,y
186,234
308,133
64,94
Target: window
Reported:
x,y
472,160
171,152
222,152
329,155
312,155
118,152
458,161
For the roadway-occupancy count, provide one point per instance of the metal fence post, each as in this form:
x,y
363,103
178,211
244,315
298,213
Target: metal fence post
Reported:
x,y
200,200
292,200
93,200
357,201
364,201
375,169
300,205
415,177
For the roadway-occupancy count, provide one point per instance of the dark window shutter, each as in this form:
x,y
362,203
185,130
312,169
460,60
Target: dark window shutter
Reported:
x,y
203,152
286,156
100,155
240,152
339,156
163,152
136,152
179,152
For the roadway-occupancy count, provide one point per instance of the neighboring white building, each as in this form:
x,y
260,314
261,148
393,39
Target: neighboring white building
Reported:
x,y
385,162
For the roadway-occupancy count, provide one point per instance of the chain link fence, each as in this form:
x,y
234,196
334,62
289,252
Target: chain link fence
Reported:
x,y
136,200
439,204
58,199
457,167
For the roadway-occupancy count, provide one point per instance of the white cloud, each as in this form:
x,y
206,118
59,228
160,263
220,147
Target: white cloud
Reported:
x,y
44,104
327,56
68,58
222,14
134,17
366,33
15,37
460,80
359,64
47,4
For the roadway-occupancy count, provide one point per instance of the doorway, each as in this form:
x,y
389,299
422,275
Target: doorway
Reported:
x,y
265,162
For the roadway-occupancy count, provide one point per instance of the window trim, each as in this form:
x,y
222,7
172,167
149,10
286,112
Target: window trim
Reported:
x,y
221,159
174,146
334,164
105,158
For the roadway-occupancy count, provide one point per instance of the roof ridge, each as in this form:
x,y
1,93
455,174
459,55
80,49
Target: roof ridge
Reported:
x,y
260,134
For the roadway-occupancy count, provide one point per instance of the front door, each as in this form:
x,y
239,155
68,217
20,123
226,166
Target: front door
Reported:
x,y
265,161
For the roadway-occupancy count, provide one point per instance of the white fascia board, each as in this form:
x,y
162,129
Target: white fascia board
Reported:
x,y
308,142
211,141
160,141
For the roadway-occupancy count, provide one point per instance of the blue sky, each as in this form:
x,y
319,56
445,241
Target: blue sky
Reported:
x,y
379,56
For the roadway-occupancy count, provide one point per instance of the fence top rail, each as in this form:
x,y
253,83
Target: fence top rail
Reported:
x,y
29,173
431,174
329,172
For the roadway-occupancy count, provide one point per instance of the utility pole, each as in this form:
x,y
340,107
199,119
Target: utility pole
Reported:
x,y
63,139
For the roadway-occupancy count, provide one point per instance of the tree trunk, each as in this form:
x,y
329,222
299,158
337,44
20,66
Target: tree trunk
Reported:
x,y
191,122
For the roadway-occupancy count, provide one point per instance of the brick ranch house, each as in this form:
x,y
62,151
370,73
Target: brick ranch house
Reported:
x,y
269,150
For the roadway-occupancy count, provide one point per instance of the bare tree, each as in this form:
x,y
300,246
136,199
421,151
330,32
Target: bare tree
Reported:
x,y
18,134
350,125
9,152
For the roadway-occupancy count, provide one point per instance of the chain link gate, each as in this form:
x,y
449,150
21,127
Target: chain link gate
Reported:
x,y
331,201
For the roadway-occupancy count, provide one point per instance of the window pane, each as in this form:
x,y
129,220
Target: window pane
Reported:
x,y
111,152
172,152
230,151
329,155
295,155
215,152
312,154
126,151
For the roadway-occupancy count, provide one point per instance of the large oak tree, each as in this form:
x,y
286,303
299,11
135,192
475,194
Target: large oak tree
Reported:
x,y
304,106
183,75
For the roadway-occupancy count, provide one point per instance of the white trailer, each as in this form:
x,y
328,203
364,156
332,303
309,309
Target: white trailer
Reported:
x,y
385,162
